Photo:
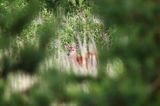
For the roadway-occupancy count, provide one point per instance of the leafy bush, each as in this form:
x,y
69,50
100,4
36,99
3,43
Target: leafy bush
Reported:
x,y
27,33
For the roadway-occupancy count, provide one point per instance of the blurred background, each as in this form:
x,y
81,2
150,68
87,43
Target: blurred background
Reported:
x,y
35,69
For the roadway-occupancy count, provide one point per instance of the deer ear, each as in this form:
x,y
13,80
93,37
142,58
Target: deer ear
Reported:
x,y
77,46
66,46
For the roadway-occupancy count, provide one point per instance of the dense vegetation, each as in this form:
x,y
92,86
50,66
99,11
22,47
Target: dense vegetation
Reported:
x,y
127,36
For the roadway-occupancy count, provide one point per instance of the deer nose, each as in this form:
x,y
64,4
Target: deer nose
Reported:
x,y
68,54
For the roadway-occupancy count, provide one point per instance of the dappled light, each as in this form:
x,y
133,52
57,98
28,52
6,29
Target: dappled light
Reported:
x,y
79,53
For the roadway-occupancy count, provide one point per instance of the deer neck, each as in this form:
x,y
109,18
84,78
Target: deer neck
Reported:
x,y
74,55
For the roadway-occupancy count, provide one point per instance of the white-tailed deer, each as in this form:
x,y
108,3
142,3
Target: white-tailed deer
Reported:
x,y
86,61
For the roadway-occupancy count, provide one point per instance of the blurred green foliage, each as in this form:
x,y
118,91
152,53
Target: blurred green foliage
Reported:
x,y
133,29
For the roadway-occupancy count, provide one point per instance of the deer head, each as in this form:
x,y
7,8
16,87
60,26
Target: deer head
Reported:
x,y
72,49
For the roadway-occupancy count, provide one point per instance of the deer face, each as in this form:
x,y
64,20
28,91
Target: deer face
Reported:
x,y
71,49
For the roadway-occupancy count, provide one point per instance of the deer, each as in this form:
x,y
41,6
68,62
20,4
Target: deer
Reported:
x,y
85,61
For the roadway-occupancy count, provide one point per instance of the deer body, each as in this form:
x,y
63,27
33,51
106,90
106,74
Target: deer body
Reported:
x,y
85,61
